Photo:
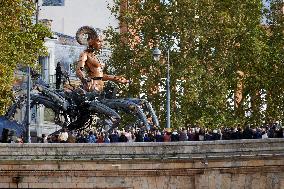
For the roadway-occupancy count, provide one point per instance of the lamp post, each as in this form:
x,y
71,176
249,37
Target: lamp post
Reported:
x,y
28,106
156,55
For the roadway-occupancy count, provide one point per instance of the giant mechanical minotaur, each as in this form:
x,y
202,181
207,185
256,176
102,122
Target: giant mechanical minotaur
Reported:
x,y
90,72
89,68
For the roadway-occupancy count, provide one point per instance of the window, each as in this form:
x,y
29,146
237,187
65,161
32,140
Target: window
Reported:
x,y
53,3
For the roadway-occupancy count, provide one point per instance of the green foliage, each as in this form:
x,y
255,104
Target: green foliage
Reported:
x,y
215,46
275,62
21,43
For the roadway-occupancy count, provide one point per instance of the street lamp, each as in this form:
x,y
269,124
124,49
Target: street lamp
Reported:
x,y
28,106
156,56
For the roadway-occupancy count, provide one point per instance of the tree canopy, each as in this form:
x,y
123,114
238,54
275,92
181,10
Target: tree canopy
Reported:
x,y
21,42
226,58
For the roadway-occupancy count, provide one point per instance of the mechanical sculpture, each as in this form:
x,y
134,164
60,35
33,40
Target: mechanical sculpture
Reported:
x,y
76,108
90,72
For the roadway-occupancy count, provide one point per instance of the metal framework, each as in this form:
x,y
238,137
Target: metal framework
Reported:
x,y
76,109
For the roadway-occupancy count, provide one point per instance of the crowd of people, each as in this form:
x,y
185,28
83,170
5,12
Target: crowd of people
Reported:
x,y
164,135
154,135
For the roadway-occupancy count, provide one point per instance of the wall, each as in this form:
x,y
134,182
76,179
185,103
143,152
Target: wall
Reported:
x,y
236,164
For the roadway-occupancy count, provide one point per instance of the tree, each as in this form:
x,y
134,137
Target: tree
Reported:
x,y
275,62
22,42
219,58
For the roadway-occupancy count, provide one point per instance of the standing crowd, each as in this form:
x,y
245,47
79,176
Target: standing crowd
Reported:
x,y
155,135
166,135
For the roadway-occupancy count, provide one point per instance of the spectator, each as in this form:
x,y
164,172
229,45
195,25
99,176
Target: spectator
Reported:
x,y
101,138
71,138
123,138
183,135
132,137
174,136
216,135
91,137
81,138
278,132
139,136
208,135
191,134
58,73
257,133
55,139
159,137
114,137
167,136
146,137
201,134
43,139
151,136
63,136
247,133
233,134
12,137
20,139
264,133
106,139
128,135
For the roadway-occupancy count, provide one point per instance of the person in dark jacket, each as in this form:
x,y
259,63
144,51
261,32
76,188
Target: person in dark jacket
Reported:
x,y
175,136
183,135
159,137
58,73
123,138
114,137
139,136
247,133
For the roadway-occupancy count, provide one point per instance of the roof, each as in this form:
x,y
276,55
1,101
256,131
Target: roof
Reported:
x,y
66,39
